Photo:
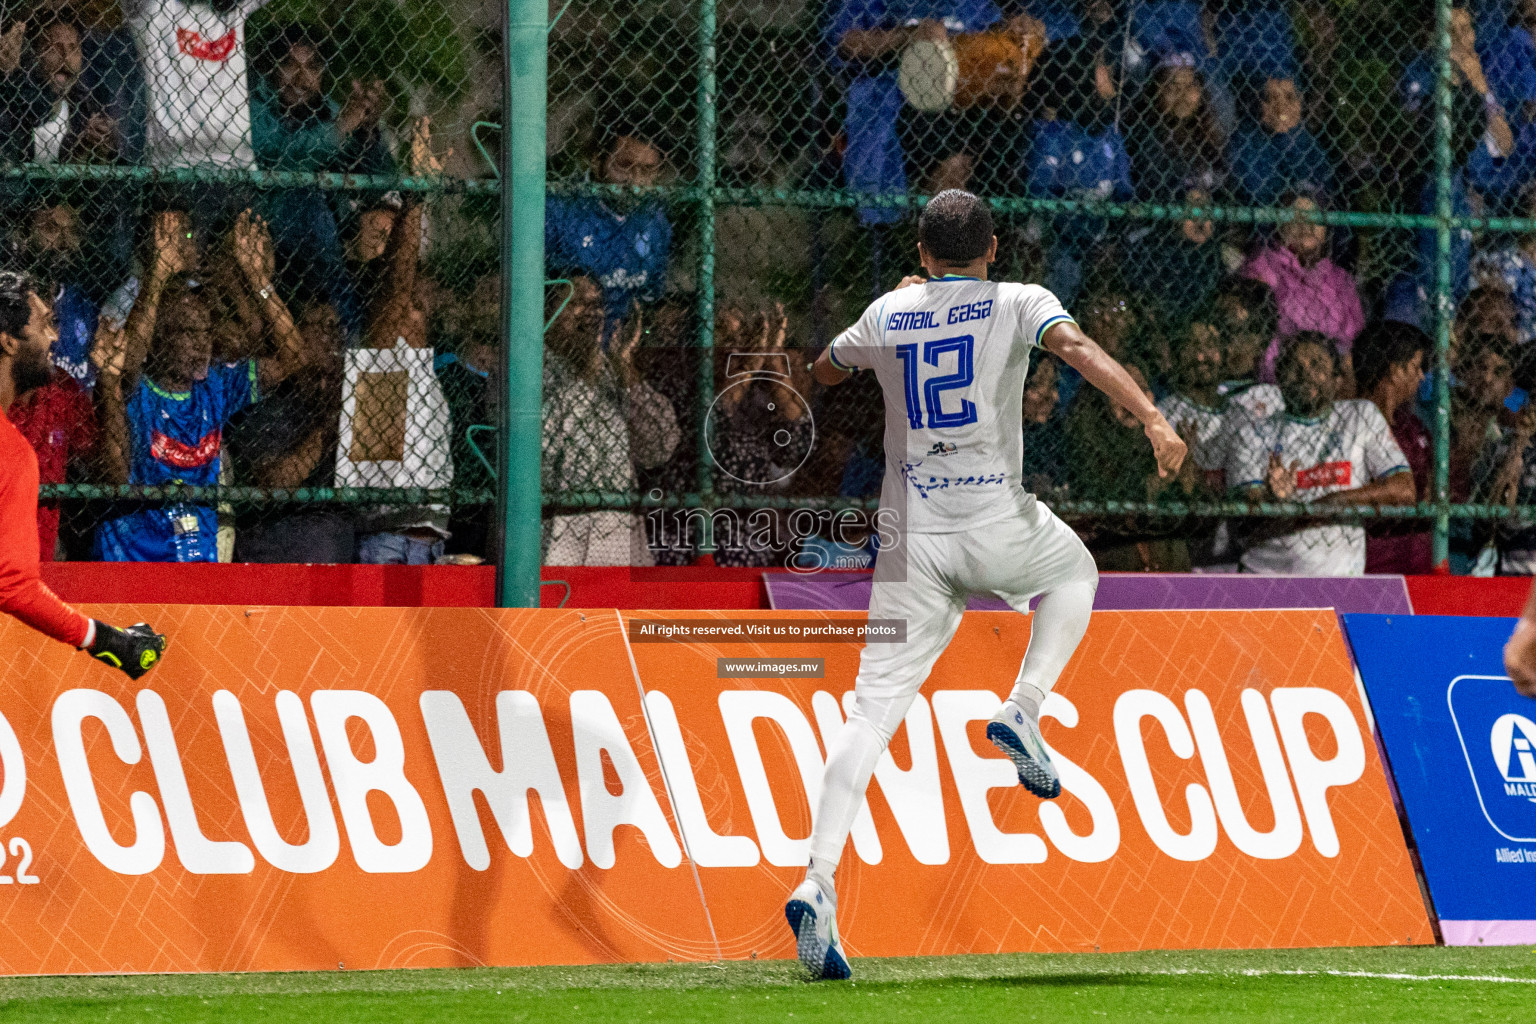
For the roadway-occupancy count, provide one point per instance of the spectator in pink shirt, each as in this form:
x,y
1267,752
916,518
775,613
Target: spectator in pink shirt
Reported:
x,y
1313,292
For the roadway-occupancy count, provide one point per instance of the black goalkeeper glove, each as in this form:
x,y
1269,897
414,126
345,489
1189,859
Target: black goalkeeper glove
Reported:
x,y
135,650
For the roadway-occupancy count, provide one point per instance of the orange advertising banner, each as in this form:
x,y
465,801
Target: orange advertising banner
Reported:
x,y
348,788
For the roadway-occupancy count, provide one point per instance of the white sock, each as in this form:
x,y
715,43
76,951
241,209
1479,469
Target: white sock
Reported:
x,y
1061,619
850,763
1027,697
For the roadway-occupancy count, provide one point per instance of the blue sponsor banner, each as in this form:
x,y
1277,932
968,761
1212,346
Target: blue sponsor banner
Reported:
x,y
1462,750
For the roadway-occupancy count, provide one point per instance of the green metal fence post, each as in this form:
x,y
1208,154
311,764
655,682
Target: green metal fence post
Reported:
x,y
524,95
1443,302
705,304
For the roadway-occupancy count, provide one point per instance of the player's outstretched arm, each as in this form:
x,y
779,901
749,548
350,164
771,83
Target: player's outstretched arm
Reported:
x,y
25,596
135,650
826,371
1067,341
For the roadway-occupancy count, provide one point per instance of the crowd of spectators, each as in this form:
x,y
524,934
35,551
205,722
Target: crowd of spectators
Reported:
x,y
216,334
213,334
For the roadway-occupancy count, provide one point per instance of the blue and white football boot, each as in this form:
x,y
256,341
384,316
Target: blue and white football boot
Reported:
x,y
1012,732
812,916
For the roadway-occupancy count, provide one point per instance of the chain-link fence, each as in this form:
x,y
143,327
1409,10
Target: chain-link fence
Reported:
x,y
273,267
1253,204
1272,211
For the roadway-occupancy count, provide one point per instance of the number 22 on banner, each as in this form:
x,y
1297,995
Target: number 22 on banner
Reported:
x,y
23,849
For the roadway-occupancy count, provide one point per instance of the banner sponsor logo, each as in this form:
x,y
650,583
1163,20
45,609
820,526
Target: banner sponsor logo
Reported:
x,y
1512,738
1500,752
390,787
1463,748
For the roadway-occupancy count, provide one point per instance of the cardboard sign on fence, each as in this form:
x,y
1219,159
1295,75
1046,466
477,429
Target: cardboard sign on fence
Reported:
x,y
306,788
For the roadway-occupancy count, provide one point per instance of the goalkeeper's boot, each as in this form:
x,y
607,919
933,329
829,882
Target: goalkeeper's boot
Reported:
x,y
1017,735
135,650
812,916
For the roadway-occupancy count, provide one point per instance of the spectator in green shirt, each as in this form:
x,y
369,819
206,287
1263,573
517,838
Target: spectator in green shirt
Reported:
x,y
296,126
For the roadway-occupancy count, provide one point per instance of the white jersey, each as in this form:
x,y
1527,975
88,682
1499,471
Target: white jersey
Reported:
x,y
951,356
1259,401
1346,449
1184,414
1247,404
194,63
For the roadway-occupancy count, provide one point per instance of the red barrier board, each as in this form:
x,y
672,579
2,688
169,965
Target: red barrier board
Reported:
x,y
1502,596
298,788
396,586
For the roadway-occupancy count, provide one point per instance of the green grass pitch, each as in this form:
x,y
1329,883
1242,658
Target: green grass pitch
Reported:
x,y
1372,985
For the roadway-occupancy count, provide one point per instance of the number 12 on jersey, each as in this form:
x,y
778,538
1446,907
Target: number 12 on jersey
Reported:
x,y
931,391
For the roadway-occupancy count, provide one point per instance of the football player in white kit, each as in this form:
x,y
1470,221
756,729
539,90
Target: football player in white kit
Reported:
x,y
951,354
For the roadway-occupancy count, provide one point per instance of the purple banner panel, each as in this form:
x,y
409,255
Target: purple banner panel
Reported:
x,y
1378,595
1488,933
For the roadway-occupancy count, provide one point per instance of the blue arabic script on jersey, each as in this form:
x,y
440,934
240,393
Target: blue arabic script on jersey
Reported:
x,y
944,483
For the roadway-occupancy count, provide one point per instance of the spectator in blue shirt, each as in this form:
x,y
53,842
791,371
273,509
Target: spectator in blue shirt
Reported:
x,y
621,241
1278,153
1508,53
54,259
1255,41
890,146
1078,153
1162,27
1508,264
164,403
1176,141
1482,139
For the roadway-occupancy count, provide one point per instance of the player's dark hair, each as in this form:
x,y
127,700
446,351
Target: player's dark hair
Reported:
x,y
282,43
16,290
956,227
1183,332
612,130
1257,298
1383,345
1481,344
1294,344
44,20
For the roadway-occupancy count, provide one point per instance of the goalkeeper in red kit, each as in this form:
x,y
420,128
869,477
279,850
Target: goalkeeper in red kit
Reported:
x,y
27,333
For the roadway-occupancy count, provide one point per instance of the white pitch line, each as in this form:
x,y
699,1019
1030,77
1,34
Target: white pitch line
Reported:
x,y
1374,975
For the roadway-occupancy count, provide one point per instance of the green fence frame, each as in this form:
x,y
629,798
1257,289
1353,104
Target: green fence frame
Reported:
x,y
523,188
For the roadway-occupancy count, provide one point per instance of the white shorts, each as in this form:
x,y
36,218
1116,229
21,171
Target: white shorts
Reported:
x,y
1017,559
